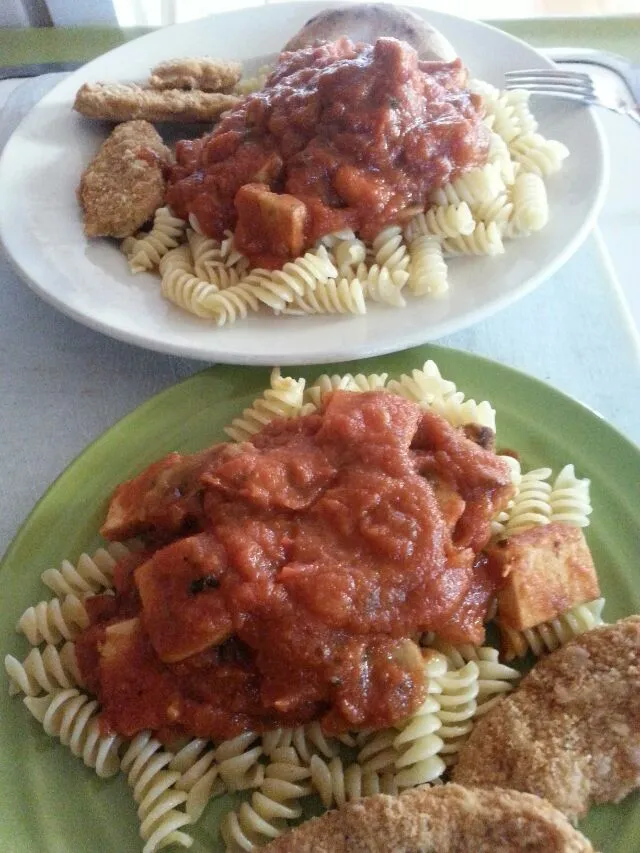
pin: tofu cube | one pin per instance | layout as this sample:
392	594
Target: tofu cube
270	223
548	570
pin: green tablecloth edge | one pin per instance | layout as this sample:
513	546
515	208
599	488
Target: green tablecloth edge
620	34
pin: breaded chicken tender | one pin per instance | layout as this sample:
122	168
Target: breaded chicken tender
571	731
127	101
123	185
199	72
438	820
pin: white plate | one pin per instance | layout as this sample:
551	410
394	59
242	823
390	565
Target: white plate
41	228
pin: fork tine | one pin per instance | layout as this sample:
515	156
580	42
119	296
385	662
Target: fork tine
559	86
573	94
548	74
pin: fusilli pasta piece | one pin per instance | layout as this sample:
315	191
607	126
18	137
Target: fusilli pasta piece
310	740
48	670
485	239
494	678
348	253
474	187
238	762
199	775
420	740
538	155
569	499
53	620
549	636
149	249
390	250
530	506
72	717
335	296
530	206
90	575
161	820
428	272
282	400
181	286
498	210
459	412
458	706
441	221
423	386
500	156
337	784
266	816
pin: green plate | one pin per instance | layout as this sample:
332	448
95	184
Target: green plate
51	803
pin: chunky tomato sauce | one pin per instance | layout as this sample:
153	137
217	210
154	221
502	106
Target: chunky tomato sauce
343	135
285	579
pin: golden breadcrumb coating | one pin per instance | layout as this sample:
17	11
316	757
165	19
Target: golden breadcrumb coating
127	101
199	72
440	819
571	731
123	185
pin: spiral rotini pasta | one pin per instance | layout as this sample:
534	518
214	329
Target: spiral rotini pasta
538	155
275	289
180	285
459	412
161	818
389	249
494	678
498	210
569	499
349	252
458	707
89	575
530	506
265	816
71	716
549	636
473	187
530	206
283	399
43	671
420	741
199	775
148	250
441	221
337	784
310	740
428	272
335	296
54	620
485	239
423	386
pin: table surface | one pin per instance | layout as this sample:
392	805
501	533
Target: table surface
62	385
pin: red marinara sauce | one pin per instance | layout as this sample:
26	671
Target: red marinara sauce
294	589
344	135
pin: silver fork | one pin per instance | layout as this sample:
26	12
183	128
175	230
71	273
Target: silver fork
575	85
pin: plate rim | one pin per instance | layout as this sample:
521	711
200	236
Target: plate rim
214	349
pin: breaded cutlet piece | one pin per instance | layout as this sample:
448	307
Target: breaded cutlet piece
198	72
128	101
571	731
123	185
438	820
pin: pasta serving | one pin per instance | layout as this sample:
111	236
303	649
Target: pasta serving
279	769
